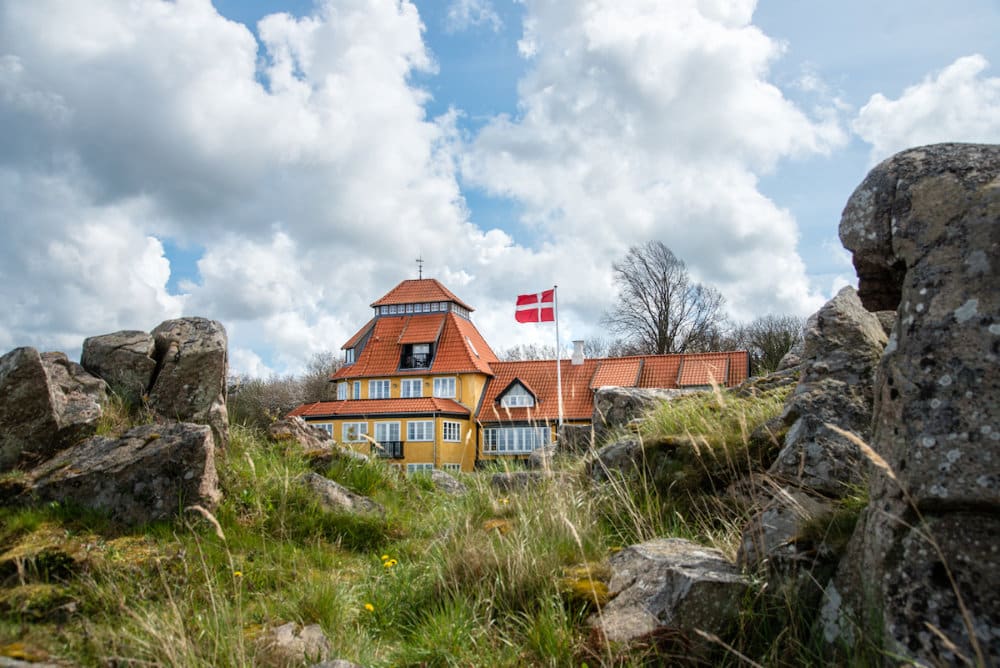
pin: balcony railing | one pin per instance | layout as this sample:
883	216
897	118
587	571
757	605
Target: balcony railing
388	449
422	361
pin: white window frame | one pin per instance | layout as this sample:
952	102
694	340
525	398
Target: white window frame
360	430
452	468
349	356
407	385
383	384
419	467
517	397
514	440
325	426
445	387
391	427
341	391
357	390
449	425
420	430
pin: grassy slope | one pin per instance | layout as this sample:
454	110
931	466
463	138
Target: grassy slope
490	578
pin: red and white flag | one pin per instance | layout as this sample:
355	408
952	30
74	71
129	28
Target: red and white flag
539	307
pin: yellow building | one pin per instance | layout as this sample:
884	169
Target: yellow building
421	388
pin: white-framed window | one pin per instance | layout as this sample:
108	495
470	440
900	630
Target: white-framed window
378	389
452	468
472	346
349	356
517	396
409	308
392	309
434	307
419	468
327	427
357	390
341	391
412	387
387	431
444	387
514	440
451	431
352	432
420	430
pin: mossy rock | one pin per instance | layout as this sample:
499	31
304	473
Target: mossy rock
586	584
21	651
44	554
37	602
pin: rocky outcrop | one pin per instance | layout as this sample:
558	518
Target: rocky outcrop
843	344
618	458
575	438
190	383
619	406
447	483
123	359
47	403
150	473
335	497
924	229
672	583
294	429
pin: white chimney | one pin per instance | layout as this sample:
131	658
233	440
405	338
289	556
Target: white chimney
577	358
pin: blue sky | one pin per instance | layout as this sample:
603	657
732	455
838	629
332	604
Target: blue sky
280	165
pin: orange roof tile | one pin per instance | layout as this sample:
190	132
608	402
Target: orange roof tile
460	348
660	371
622	372
422	329
418	291
704	369
383	407
540	376
353	341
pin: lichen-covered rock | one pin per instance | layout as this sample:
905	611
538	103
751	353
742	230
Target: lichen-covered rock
673	583
843	344
123	359
618	458
295	429
540	458
774	533
335	497
447	483
47	403
619	406
291	645
575	438
190	384
152	472
924	228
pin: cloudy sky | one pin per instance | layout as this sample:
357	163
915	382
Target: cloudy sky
280	165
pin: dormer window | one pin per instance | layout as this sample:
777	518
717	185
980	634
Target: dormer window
349	356
416	356
517	397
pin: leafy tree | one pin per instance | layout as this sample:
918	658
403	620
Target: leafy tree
767	339
660	309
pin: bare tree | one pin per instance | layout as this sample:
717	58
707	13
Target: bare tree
316	384
660	310
767	339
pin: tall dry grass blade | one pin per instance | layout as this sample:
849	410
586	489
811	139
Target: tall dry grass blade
946	641
211	519
874	457
711	637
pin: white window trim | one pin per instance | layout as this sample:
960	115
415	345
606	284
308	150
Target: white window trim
517	397
514	440
341	391
419	467
458	431
456	468
357	390
411	382
346	427
426	430
389	424
325	426
442	381
372	384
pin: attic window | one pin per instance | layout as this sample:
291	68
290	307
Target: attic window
349	356
517	396
472	346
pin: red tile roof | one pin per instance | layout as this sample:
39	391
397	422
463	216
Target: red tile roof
373	407
579	381
622	372
419	291
353	341
455	354
421	329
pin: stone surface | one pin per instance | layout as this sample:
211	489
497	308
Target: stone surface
843	344
774	533
618	406
152	472
123	359
295	429
614	459
47	403
291	645
336	663
540	458
673	583
447	483
335	497
924	229
575	438
795	355
190	385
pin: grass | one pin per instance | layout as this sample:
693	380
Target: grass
498	578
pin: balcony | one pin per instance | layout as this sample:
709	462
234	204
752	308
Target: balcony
388	449
415	361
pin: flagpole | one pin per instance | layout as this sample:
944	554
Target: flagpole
555	307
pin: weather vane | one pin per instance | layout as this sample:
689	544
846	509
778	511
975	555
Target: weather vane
420	266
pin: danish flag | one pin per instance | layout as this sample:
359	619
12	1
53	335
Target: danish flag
538	307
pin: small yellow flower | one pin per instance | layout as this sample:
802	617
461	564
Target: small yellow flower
369	607
237	574
504	501
390	563
384	557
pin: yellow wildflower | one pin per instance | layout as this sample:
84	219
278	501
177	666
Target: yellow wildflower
369	607
390	563
237	574
385	557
